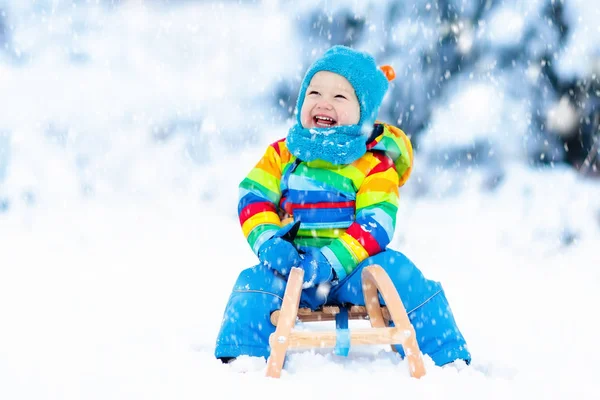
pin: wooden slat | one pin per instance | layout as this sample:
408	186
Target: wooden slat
289	308
376	280
368	336
328	313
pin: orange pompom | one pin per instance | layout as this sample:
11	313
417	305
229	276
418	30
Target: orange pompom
389	72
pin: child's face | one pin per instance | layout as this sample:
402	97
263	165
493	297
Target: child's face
330	101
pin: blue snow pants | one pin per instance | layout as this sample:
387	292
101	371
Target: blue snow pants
246	324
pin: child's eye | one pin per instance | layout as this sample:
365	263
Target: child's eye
313	92
341	96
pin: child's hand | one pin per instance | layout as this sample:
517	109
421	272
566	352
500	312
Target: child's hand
279	252
316	268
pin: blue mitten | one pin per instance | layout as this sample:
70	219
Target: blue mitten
316	268
279	252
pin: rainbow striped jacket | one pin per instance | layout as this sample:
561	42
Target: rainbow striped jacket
348	211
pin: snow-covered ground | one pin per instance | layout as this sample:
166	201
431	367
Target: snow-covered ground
122	301
118	252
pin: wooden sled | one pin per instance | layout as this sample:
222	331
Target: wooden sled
374	280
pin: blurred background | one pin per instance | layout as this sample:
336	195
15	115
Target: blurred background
112	99
126	126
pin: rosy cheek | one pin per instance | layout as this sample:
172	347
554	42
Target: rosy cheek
347	115
305	118
305	112
354	115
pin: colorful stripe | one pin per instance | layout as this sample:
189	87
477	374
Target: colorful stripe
259	193
249	186
259	219
258	237
362	234
384	217
355	171
358	251
325	205
334	181
371	198
349	211
335	263
330	233
343	254
404	162
267	179
255	208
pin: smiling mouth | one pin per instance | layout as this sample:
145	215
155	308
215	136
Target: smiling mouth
323	121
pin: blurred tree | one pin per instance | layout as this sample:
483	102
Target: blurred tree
432	43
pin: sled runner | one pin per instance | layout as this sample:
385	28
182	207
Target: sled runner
374	280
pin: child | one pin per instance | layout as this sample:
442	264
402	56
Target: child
335	178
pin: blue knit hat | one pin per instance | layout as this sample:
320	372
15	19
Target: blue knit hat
368	80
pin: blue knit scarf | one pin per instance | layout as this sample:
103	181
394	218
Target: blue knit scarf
338	145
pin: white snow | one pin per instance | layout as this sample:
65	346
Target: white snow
506	26
582	54
119	294
562	117
477	112
124	300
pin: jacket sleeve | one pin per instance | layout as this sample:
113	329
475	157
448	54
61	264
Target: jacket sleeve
259	196
373	228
